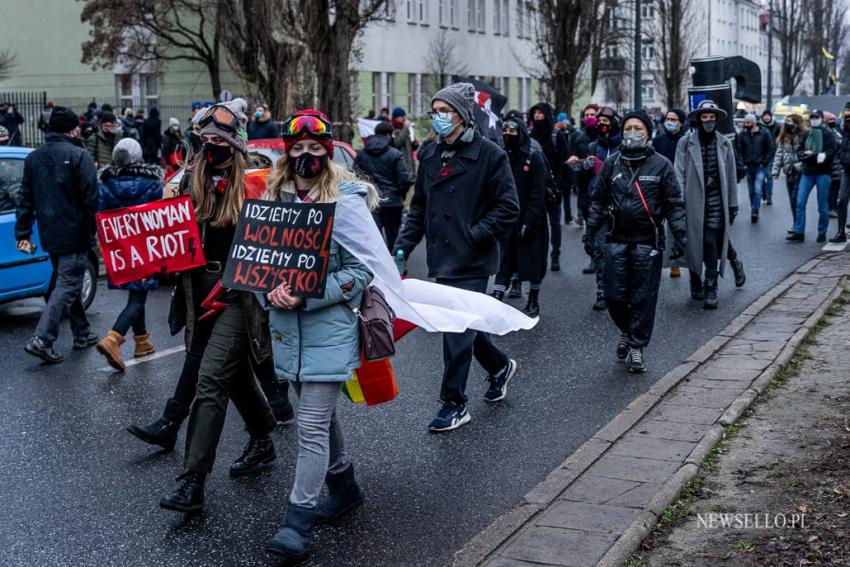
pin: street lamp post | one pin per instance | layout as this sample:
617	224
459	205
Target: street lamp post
638	82
770	57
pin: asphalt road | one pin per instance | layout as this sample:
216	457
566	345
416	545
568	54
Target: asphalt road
76	489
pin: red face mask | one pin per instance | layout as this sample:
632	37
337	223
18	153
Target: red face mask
604	128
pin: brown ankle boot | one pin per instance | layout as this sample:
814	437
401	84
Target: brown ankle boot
144	346
110	347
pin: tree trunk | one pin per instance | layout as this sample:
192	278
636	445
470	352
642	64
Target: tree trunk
215	78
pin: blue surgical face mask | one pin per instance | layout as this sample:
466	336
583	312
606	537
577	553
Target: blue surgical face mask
442	124
671	127
258	114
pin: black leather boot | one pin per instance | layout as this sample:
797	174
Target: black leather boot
189	495
738	270
532	308
259	454
697	293
515	290
294	537
710	293
601	304
163	431
343	496
500	295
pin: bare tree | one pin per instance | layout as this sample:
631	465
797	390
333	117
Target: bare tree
333	27
441	61
790	25
268	58
150	32
563	39
607	35
8	63
673	29
828	32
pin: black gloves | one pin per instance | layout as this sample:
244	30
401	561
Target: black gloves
589	241
678	248
733	212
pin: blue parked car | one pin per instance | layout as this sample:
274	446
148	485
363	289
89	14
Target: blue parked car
22	275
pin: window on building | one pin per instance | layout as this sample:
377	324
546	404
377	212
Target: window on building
389	100
506	17
417	12
482	15
647	9
520	19
149	89
376	91
648	49
413	94
124	89
391	10
423	12
647	90
454	13
443	13
497	17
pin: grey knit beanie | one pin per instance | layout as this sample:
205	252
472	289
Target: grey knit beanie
461	97
126	152
239	138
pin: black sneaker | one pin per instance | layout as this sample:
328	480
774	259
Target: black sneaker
555	266
738	270
796	237
769	202
499	383
85	341
516	290
590	268
500	295
754	218
601	304
451	417
258	455
821	238
838	238
189	496
634	361
36	347
622	348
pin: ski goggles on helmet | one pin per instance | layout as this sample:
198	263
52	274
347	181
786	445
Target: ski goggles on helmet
222	117
307	126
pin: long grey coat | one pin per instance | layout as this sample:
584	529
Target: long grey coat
689	174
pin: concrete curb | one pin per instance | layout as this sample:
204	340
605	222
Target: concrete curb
504	528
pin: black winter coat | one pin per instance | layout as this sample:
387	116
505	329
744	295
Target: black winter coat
461	208
384	165
755	149
665	143
152	136
59	190
843	155
810	163
555	144
262	129
615	199
530	238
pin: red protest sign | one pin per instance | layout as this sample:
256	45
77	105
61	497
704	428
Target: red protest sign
158	237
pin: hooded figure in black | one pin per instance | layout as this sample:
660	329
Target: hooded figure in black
636	191
525	247
556	149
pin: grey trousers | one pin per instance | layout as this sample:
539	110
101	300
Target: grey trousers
66	297
321	445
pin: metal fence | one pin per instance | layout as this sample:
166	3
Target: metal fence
31	104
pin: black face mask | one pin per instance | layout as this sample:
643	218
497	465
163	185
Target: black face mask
789	127
217	155
511	142
195	142
307	165
540	124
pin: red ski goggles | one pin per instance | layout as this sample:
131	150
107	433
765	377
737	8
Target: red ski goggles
307	125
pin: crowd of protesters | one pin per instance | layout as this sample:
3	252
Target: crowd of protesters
649	195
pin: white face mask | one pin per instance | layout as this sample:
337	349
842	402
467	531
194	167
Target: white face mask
816	122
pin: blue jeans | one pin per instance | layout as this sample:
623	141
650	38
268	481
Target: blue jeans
133	315
768	181
755	181
807	182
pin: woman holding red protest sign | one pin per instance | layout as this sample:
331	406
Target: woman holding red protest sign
317	341
127	182
226	331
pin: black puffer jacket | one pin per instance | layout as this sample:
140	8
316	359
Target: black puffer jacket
616	199
384	165
713	216
59	189
756	149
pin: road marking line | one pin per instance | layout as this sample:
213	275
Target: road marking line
837	247
154	356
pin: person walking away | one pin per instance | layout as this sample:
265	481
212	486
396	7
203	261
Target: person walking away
320	348
787	159
152	137
402	140
526	245
384	166
44	118
837	170
261	125
556	150
755	147
128	125
59	190
128	182
102	141
464	200
238	338
11	119
637	188
581	140
772	127
844	194
665	144
606	145
173	150
817	151
705	172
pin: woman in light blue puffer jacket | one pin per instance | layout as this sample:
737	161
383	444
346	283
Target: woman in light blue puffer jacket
316	342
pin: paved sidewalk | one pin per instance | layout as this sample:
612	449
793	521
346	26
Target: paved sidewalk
603	500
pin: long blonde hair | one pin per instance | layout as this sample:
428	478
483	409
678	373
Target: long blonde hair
203	191
282	180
